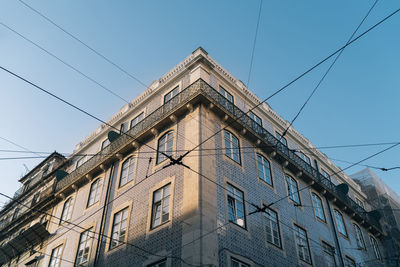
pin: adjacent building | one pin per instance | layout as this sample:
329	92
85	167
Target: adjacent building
194	172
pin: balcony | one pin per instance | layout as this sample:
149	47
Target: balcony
200	91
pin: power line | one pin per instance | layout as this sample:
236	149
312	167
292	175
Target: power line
254	44
81	110
84	44
64	62
24	148
328	70
94	232
299	77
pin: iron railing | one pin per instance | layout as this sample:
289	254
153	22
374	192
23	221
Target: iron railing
201	87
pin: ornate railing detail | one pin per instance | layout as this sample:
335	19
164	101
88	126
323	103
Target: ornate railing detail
201	87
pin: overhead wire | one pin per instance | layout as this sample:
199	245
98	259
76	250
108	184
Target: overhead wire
94	232
254	43
328	70
84	44
64	62
301	75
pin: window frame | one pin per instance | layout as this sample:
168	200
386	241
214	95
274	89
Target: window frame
222	91
173	92
59	248
297	238
328	249
289	189
232	147
231	196
359	236
141	114
113	225
15	214
255	118
69	200
157	263
279	137
106	142
159	156
304	157
279	237
375	248
241	263
341	224
98	191
80	162
320	208
131	160
351	260
269	169
89	238
160	203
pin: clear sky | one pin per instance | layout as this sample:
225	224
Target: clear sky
357	103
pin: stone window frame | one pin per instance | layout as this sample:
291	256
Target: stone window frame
99	192
126	205
270	169
342	222
134	171
313	193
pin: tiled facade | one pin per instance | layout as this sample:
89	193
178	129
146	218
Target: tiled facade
199	220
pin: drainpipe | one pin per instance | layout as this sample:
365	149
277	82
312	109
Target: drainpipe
200	187
103	217
335	233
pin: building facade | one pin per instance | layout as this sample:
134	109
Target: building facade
194	172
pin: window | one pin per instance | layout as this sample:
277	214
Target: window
123	128
171	94
162	263
303	249
236	212
232	146
238	263
67	210
349	262
55	257
94	194
328	254
282	139
225	94
255	118
359	236
292	189
325	174
35	199
375	247
127	169
85	242
264	169
105	143
305	158
360	203
15	215
340	222
161	204
80	161
165	144
272	227
119	228
318	207
137	119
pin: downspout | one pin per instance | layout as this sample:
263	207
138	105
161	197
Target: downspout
335	233
102	222
200	187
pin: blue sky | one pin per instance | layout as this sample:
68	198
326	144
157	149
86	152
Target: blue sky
357	103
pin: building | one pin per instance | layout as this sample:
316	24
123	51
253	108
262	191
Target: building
384	199
243	196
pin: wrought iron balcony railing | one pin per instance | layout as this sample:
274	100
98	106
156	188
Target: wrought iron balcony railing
200	87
